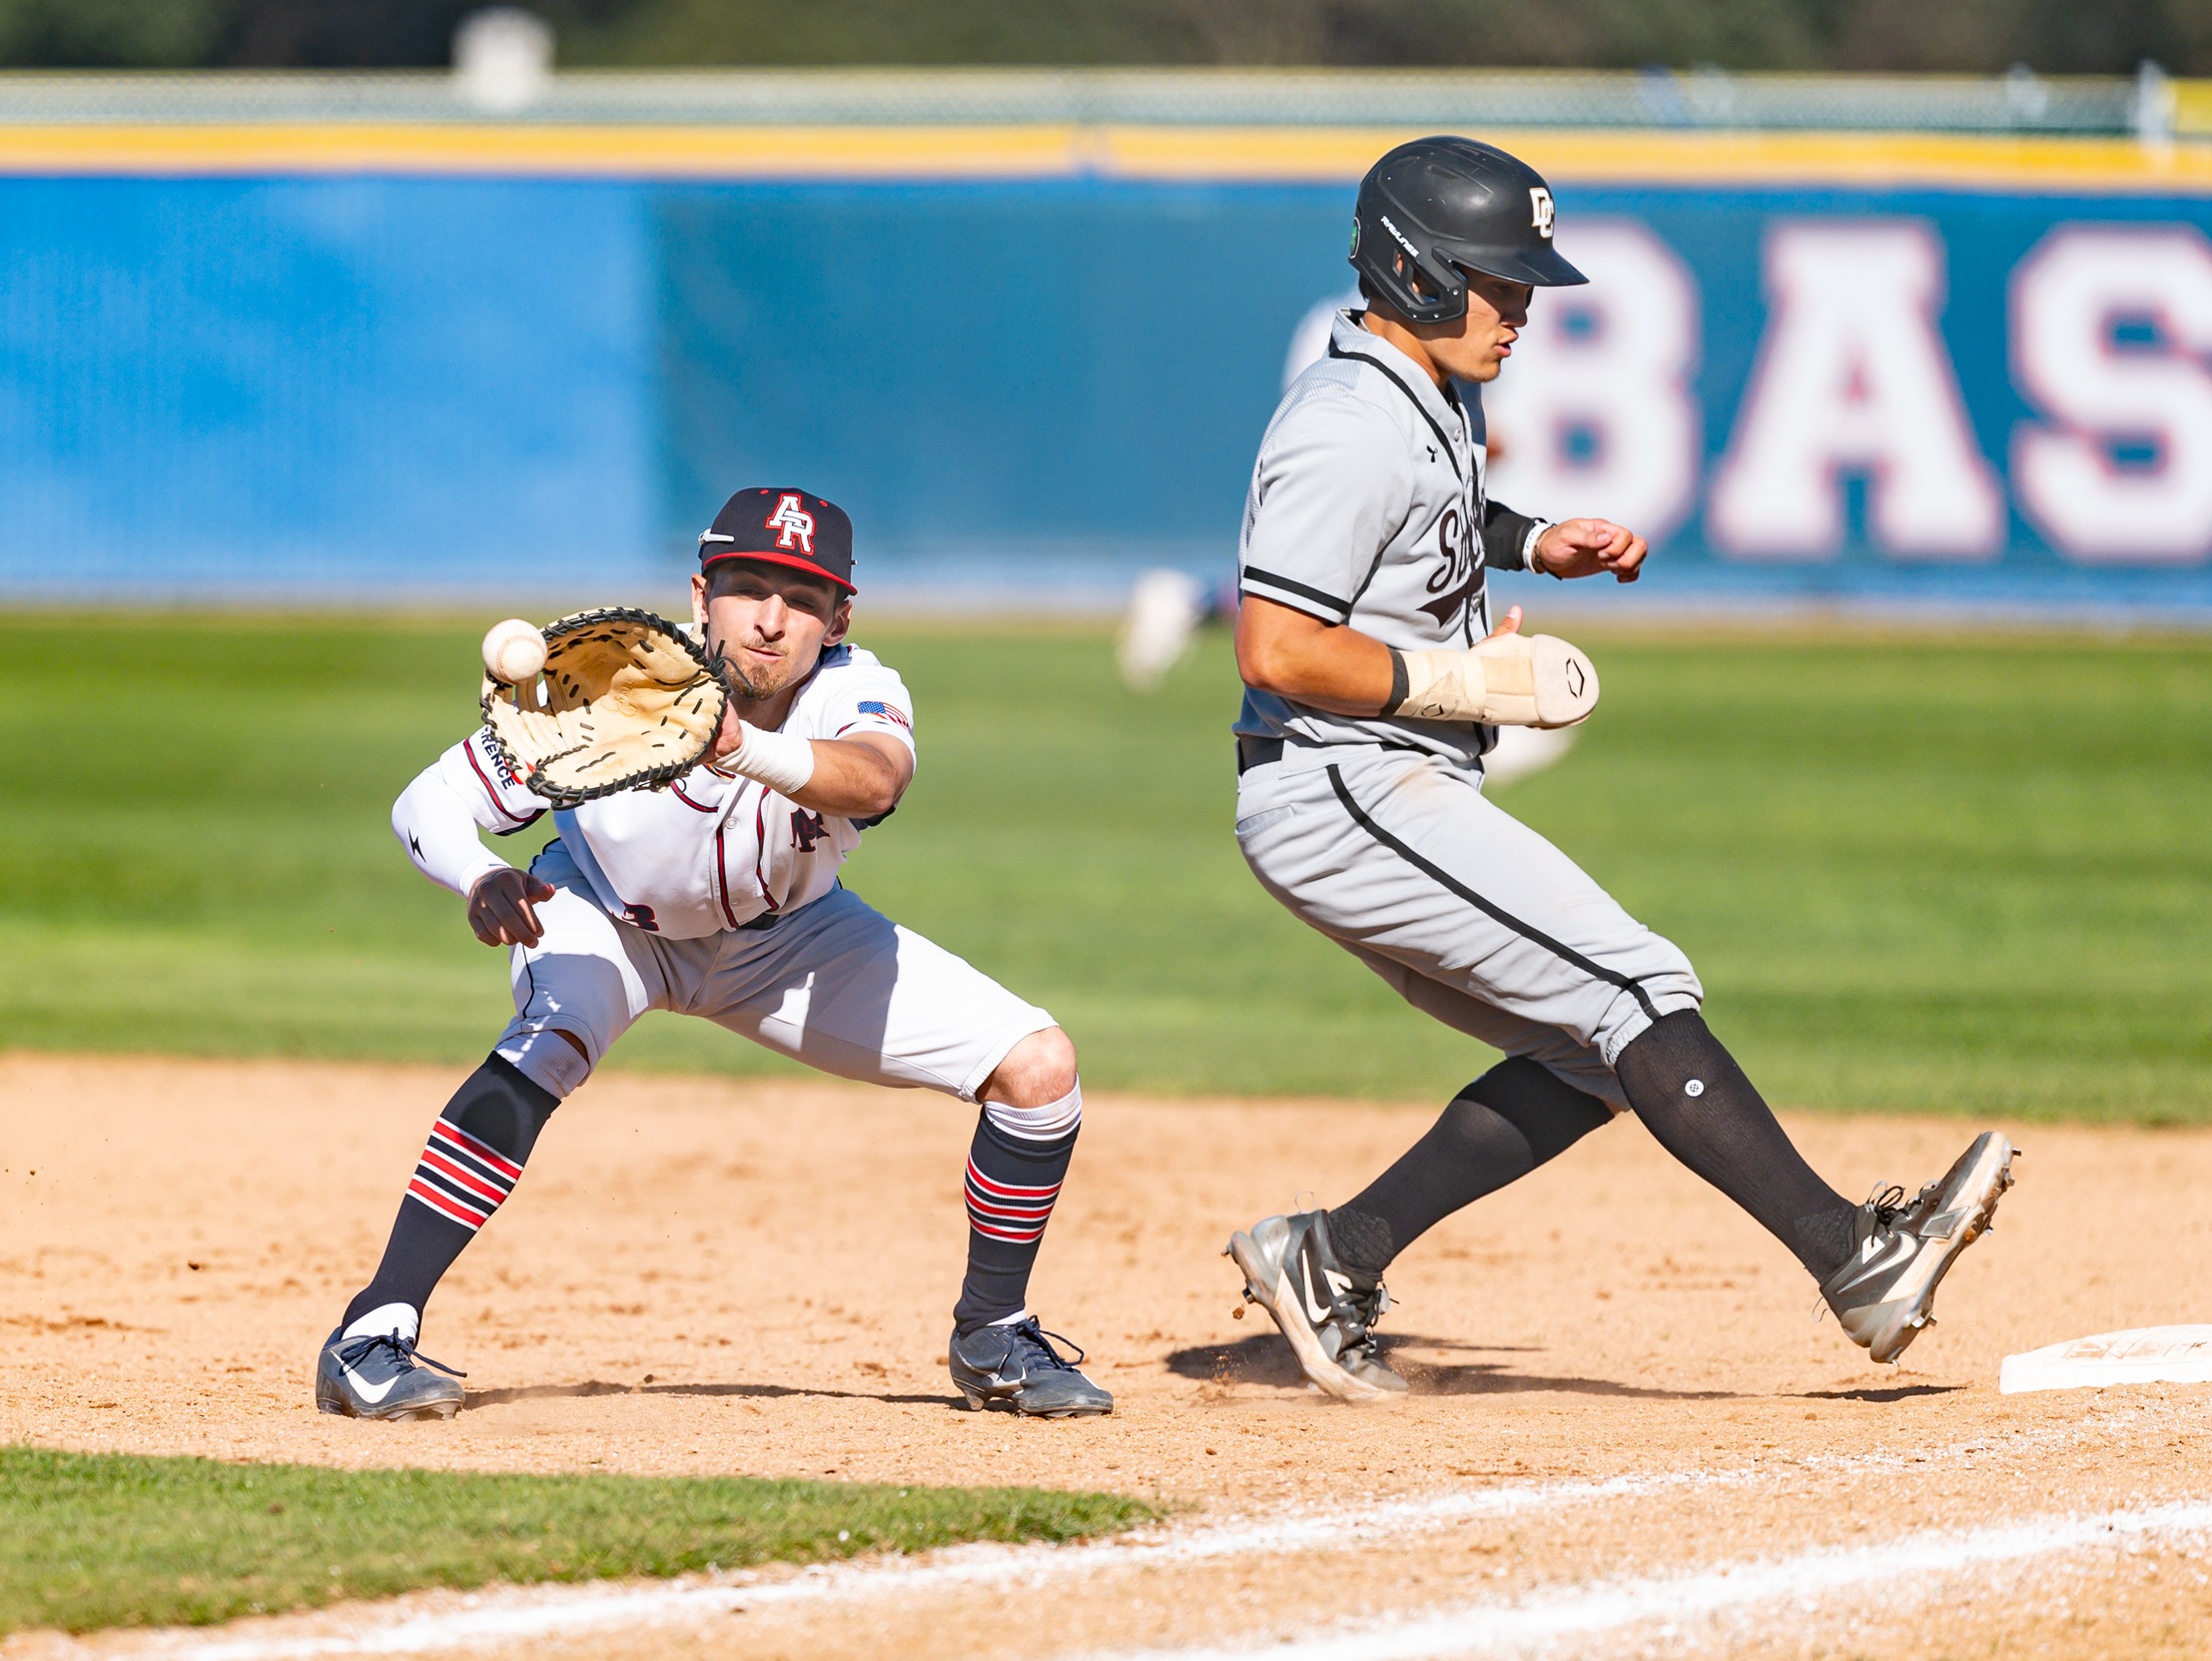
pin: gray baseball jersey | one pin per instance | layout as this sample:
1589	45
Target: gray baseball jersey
1368	506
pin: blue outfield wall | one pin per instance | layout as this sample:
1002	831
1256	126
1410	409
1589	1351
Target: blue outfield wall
423	386
323	385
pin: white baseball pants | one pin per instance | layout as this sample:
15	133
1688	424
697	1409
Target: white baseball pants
835	984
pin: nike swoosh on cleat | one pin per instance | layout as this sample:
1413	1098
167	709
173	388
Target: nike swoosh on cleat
1316	1310
368	1393
1901	1246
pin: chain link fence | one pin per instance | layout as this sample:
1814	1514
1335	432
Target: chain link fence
2148	104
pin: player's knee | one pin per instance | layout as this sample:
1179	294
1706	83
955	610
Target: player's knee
502	1106
1678	1056
1543	1110
1038	1071
553	1059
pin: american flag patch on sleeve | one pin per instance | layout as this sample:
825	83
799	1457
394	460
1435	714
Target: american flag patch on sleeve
875	706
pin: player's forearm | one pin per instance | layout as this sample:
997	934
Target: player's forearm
852	780
1296	656
439	834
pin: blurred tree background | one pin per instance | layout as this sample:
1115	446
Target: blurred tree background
1986	36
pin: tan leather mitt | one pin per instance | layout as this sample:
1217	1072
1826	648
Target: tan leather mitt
626	700
1510	680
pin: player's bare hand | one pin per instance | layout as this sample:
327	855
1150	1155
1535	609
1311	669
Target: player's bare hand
502	907
1589	547
1510	623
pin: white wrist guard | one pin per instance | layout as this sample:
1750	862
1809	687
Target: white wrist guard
1514	680
1537	528
781	760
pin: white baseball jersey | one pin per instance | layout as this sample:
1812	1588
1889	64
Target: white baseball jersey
709	853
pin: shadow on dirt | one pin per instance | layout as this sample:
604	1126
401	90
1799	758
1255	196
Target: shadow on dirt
1892	1393
1265	1358
602	1386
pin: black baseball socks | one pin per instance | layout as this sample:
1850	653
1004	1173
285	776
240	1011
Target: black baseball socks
1016	1164
471	1163
1496	1130
1698	1105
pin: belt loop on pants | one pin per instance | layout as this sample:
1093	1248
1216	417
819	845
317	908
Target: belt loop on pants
1255	752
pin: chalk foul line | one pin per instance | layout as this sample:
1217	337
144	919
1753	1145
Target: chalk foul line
1909	1568
512	1615
517	1614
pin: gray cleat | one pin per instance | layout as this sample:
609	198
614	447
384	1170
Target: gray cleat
1883	1293
382	1377
1327	1312
1016	1365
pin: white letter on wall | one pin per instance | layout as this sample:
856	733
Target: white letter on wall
1595	411
2068	296
1853	376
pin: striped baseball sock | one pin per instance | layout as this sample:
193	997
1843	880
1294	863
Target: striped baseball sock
461	1177
1014	1167
469	1164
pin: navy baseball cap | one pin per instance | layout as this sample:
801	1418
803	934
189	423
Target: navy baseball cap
778	527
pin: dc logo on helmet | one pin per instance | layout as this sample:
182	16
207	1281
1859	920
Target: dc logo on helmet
791	523
1542	212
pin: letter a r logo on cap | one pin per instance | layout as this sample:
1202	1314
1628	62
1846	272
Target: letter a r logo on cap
793	525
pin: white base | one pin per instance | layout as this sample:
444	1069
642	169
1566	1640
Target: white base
2139	1355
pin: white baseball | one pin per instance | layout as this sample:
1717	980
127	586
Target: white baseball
514	651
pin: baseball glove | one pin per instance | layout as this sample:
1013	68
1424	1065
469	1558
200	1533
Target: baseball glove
628	699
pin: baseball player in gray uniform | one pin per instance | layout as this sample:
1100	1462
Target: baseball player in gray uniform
1375	682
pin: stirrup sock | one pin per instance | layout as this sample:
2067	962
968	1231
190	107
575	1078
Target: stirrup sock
468	1166
1011	1184
1496	1130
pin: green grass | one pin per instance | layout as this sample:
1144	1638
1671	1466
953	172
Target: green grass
95	1540
1913	873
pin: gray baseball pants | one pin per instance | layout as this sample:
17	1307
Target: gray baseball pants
1469	915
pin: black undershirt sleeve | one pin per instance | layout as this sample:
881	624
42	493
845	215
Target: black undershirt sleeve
1504	535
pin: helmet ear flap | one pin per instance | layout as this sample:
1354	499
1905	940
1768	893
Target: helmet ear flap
1422	287
1417	280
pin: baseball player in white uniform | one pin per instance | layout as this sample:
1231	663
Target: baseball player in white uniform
1374	686
718	896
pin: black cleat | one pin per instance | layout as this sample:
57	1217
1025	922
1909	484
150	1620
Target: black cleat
1326	1311
1016	1365
380	1375
1886	1290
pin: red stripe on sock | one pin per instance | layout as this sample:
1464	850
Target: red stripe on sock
453	1173
1014	1236
447	1204
469	1145
1010	1214
1007	1190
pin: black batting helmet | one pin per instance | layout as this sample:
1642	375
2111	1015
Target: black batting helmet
1435	209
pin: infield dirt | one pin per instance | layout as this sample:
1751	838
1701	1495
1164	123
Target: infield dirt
699	1275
